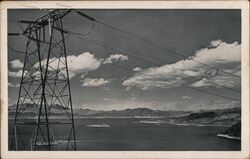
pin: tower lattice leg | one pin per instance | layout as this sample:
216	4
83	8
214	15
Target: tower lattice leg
44	110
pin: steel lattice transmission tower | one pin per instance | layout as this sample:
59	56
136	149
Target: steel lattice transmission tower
44	111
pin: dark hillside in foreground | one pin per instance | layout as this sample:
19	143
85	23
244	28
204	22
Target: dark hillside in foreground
221	117
235	130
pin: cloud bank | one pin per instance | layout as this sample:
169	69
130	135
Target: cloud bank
225	56
81	63
115	58
96	82
137	69
16	64
186	97
77	64
15	74
13	85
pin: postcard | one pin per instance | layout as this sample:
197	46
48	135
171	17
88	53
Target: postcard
116	79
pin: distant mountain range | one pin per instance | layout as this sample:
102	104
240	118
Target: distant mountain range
56	110
30	110
137	112
229	118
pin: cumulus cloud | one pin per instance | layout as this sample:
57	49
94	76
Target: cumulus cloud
219	54
115	58
77	64
95	82
83	63
148	81
186	97
80	64
137	69
84	75
215	43
16	64
220	80
16	74
13	85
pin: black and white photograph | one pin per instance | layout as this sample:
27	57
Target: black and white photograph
124	79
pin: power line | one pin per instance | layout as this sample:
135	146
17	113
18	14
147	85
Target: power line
16	51
166	49
130	70
200	90
193	88
92	19
149	61
150	42
89	31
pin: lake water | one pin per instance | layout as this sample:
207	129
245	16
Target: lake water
126	134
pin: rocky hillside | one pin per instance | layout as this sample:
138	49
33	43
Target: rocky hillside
221	117
233	132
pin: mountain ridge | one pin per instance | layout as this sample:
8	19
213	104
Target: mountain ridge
139	112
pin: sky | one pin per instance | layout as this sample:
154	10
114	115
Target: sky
136	73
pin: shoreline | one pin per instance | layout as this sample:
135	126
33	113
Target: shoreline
199	125
138	117
229	137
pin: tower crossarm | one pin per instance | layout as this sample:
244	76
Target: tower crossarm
43	20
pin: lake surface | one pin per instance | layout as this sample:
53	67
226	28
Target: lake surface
128	134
